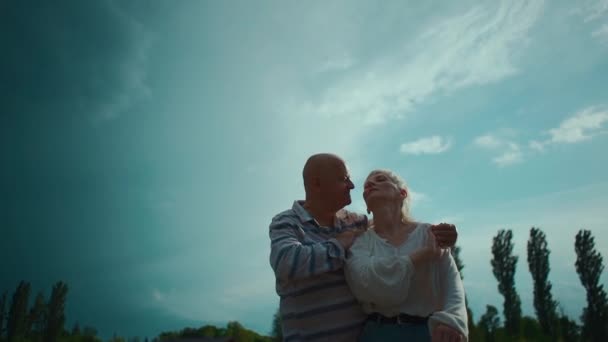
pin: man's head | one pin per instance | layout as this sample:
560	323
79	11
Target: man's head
327	181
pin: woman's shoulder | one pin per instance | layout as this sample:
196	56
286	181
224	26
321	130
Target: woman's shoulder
368	235
422	226
367	238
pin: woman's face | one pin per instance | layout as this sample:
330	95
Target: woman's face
379	186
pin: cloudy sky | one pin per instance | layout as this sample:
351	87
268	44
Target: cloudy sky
145	145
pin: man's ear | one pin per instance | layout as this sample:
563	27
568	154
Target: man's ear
404	193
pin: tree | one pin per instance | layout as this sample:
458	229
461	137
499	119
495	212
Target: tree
277	330
89	334
56	312
17	317
116	338
569	330
2	312
489	323
76	329
37	318
503	267
532	331
538	263
589	266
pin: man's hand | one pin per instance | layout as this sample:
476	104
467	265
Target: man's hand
443	333
347	238
352	218
445	234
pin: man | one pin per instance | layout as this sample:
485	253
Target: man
309	243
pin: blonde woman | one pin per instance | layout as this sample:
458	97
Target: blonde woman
407	283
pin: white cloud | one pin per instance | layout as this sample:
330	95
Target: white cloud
488	141
510	152
430	145
594	10
537	146
451	51
601	33
418	196
582	126
512	156
157	295
474	48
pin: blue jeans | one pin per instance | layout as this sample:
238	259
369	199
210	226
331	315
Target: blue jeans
382	332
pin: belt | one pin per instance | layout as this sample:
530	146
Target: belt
401	318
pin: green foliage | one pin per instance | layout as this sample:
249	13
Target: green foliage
56	312
489	323
37	318
503	267
233	329
2	313
16	326
117	339
538	263
277	329
568	329
531	330
589	266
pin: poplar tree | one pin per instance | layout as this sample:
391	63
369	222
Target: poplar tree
589	266
538	263
56	312
16	324
503	266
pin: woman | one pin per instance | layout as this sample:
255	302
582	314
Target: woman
410	288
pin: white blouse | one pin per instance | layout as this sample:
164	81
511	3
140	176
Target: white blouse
384	279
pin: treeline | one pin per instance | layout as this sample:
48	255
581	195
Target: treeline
234	330
550	323
44	321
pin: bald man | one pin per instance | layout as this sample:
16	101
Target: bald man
308	249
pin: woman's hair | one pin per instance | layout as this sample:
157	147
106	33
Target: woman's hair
399	182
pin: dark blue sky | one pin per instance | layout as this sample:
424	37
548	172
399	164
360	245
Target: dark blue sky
76	179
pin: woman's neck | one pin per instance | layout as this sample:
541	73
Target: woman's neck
387	219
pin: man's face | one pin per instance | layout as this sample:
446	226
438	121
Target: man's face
335	186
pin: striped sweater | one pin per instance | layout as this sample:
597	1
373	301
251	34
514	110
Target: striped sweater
316	303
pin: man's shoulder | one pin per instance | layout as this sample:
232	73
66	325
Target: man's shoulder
288	216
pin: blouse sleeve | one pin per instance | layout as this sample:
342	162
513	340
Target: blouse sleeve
381	280
453	311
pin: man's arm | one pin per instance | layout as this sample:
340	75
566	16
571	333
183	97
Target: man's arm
291	259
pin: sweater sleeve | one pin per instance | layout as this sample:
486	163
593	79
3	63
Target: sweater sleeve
453	311
375	279
291	259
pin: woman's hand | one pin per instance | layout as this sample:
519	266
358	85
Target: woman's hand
444	333
430	252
